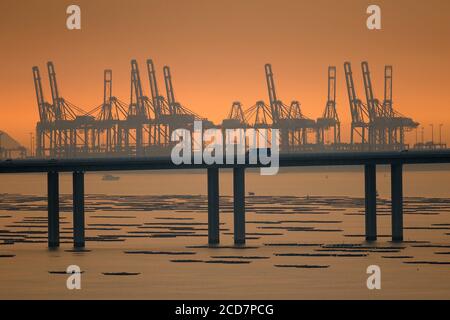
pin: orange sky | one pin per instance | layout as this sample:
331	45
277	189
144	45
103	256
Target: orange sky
217	50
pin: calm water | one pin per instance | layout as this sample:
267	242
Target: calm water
305	238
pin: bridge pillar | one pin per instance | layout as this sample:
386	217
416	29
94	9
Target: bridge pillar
53	209
78	209
239	205
397	201
371	201
213	206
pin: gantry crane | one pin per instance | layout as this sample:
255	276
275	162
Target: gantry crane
275	104
160	134
291	122
300	125
278	111
181	116
157	100
56	130
330	118
117	128
386	125
140	114
359	113
68	118
46	114
137	108
399	124
259	115
378	121
108	118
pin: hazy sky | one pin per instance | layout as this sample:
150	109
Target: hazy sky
217	50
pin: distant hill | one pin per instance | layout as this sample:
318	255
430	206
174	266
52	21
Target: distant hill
7	142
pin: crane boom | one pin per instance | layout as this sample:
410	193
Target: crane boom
270	84
136	90
55	93
40	95
154	88
152	80
357	110
371	103
332	84
387	103
169	90
274	103
107	89
330	108
353	100
106	112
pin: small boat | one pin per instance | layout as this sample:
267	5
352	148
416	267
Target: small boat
109	177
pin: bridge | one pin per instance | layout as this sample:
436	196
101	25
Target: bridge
396	160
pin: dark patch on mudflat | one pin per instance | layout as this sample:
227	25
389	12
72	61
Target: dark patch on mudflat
228	261
431	246
360	250
114	217
174	253
240	257
411	241
121	273
320	255
363	236
302	266
104	240
63	272
257	234
428	262
114	224
220	247
172	218
162	236
293	244
360	246
427	228
102	229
